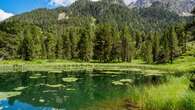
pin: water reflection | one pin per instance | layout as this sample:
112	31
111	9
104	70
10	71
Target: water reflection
46	91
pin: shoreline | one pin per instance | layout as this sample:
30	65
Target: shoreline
186	65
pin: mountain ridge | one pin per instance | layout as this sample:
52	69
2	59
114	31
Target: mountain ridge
181	7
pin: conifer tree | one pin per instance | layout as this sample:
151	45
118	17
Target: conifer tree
103	43
156	46
173	44
50	43
66	46
85	45
27	46
59	48
116	46
127	51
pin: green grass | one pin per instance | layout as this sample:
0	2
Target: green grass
181	64
173	95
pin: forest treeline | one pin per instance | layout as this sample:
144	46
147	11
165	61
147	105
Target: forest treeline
103	42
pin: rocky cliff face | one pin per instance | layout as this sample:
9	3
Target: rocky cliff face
182	7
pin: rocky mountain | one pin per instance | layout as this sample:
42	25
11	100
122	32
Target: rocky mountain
182	7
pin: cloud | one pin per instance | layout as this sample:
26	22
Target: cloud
4	15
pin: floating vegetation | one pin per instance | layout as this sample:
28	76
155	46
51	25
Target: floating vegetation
37	76
55	86
55	71
19	88
122	82
70	79
41	100
8	94
50	85
49	91
34	77
126	80
112	72
153	72
117	83
70	89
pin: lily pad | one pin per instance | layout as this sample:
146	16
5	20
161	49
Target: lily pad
126	80
34	77
117	83
55	86
41	100
70	89
19	88
8	94
69	79
122	82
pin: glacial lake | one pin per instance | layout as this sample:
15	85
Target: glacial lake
64	91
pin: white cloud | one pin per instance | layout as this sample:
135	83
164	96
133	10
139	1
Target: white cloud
4	15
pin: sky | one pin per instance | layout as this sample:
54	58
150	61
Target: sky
10	8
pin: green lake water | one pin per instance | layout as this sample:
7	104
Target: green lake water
64	91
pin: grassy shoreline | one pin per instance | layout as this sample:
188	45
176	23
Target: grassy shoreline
182	64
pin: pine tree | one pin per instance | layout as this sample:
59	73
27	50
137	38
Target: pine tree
66	46
36	36
173	44
74	41
59	48
147	52
27	46
127	51
116	46
50	44
103	43
85	45
156	47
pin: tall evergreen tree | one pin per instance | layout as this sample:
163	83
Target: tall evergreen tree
147	51
173	44
116	46
103	43
156	47
59	48
26	48
127	51
66	46
85	45
50	44
74	41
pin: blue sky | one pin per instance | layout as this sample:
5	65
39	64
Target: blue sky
20	6
9	8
